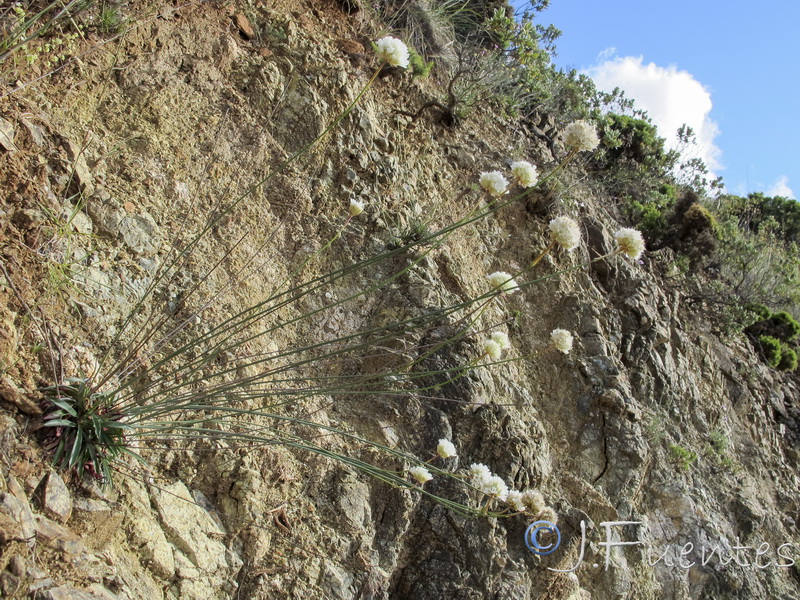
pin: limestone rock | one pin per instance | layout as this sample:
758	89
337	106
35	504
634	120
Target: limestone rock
54	497
79	169
58	536
68	592
99	520
10	393
14	504
139	232
7	136
189	527
201	559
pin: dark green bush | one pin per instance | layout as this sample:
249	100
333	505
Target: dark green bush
697	219
780	325
771	348
632	139
786	326
788	359
689	228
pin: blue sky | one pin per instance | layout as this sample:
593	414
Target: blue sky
729	68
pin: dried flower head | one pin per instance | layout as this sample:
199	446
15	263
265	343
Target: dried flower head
525	173
502	340
549	515
631	242
533	501
581	135
421	474
494	183
565	232
356	207
446	449
393	51
562	340
503	281
514	500
492	349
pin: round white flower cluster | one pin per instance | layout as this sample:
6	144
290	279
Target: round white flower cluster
479	471
530	501
565	232
492	349
420	474
356	207
494	486
446	449
503	281
631	242
494	346
502	340
514	500
494	183
562	340
581	135
487	482
525	173
393	51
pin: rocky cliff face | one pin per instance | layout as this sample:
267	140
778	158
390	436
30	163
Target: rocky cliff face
652	421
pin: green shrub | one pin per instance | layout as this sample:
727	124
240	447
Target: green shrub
758	264
650	214
788	328
685	458
771	348
761	311
697	219
419	66
780	325
788	359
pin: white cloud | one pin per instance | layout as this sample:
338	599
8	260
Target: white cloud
671	98
781	188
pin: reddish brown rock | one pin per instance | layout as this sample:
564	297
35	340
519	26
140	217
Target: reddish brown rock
350	47
244	26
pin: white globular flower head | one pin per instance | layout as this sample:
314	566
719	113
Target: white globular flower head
479	471
446	449
631	242
525	173
494	486
581	135
515	501
356	207
420	474
502	340
565	232
393	51
494	183
562	340
503	281
492	349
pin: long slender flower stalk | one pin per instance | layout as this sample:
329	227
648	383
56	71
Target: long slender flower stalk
171	384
